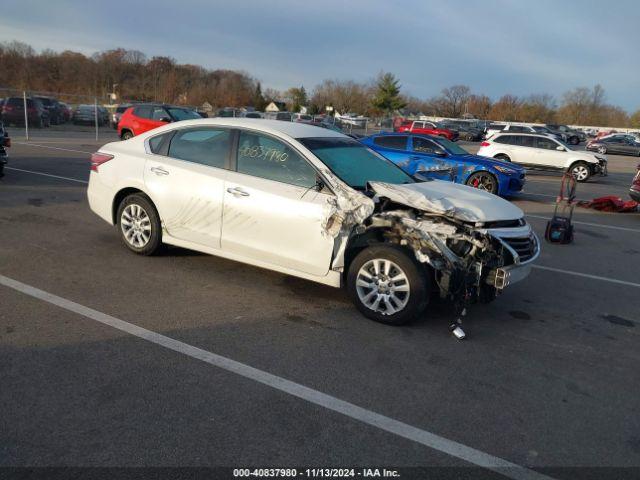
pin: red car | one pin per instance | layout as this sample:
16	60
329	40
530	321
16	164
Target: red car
142	118
427	128
634	191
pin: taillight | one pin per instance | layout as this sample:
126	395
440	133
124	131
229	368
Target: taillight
485	144
98	159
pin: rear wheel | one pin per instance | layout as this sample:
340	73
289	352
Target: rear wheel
602	149
388	285
139	224
581	171
574	140
126	135
483	181
503	157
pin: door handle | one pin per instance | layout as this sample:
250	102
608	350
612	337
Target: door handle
238	192
159	171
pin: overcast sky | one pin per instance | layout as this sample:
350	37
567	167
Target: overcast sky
495	47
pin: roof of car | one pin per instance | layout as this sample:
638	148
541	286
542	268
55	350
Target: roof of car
292	129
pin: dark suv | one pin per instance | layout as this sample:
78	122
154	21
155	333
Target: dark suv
569	135
13	112
56	113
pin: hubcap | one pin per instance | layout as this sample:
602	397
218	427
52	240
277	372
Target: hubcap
580	172
382	286
135	225
602	150
483	182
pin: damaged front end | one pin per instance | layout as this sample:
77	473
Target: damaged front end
472	257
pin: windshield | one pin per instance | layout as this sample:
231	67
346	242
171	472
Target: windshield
450	146
182	114
354	163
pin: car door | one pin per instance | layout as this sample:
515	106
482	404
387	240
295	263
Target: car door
427	155
186	182
547	154
273	213
392	147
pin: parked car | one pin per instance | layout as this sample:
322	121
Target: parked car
86	115
13	112
427	128
144	117
117	114
282	116
252	115
53	107
466	131
5	142
634	191
422	155
543	152
546	131
298	200
620	144
569	135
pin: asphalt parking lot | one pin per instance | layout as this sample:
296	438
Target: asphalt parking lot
547	379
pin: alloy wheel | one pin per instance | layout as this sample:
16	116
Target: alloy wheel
581	172
382	286
135	225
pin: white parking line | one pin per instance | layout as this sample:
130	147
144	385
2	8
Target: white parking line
316	397
587	275
47	175
50	147
599	225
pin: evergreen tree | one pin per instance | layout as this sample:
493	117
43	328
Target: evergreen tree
387	96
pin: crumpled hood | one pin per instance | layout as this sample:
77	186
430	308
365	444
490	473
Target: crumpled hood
458	201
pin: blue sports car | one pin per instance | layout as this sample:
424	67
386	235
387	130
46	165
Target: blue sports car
427	156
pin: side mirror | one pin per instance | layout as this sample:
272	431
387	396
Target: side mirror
165	119
560	148
440	153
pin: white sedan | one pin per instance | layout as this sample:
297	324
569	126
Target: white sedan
311	203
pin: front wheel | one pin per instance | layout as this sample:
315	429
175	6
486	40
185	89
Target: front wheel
388	285
602	149
483	181
139	225
581	171
574	141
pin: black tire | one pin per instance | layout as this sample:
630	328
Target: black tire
503	157
574	141
154	243
126	135
581	171
419	283
483	181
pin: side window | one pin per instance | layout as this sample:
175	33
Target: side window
526	141
155	143
266	157
516	129
158	113
397	142
423	145
546	143
505	139
206	146
142	112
